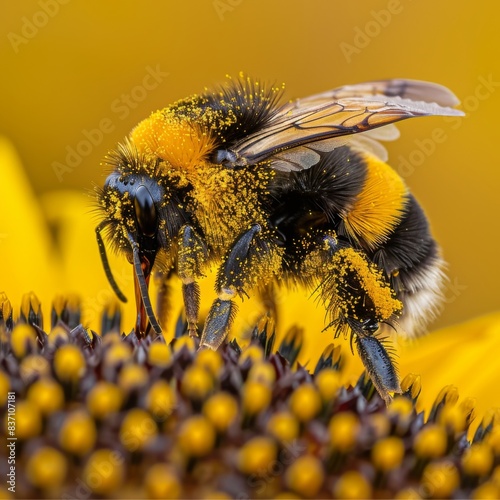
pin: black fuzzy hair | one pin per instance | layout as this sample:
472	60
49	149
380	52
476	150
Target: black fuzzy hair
248	105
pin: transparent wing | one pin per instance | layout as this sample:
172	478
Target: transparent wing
415	90
325	121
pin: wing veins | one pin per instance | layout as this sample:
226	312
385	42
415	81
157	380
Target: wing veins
341	112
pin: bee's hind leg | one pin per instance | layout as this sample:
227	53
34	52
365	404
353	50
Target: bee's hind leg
358	298
251	260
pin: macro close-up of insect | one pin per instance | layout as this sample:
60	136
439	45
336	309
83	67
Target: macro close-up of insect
280	193
248	266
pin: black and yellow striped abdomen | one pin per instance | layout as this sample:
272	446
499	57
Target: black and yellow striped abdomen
366	206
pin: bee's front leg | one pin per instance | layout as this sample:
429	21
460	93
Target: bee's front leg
192	255
249	261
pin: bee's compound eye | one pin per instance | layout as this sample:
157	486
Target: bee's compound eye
370	325
145	211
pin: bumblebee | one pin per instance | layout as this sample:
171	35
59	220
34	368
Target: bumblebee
295	192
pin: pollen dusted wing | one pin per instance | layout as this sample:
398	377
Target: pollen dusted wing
324	122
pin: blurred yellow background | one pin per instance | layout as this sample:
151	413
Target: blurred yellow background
77	76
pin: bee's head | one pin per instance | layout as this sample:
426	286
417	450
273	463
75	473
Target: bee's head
141	218
133	204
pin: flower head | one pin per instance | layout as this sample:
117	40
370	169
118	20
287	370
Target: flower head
113	414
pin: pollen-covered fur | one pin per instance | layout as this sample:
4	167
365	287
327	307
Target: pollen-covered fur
271	191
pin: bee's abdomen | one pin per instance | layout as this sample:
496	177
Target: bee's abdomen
377	209
367	205
312	201
409	245
411	259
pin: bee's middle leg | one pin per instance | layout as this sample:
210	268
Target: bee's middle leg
247	263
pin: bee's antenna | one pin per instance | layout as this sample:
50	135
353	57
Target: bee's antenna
143	286
105	263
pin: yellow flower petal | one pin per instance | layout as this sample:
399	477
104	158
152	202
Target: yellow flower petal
464	355
26	250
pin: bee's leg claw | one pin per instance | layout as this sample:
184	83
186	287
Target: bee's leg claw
192	331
